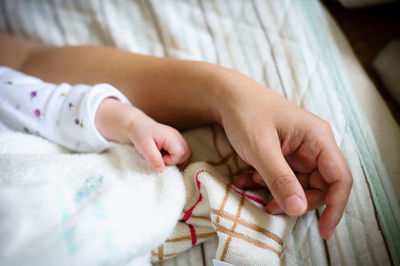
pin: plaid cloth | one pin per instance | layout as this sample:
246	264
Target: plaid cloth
246	234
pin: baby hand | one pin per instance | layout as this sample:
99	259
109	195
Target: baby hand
160	144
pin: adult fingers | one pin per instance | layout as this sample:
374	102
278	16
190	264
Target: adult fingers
245	181
333	169
304	180
258	179
279	177
254	180
314	188
251	180
317	182
315	199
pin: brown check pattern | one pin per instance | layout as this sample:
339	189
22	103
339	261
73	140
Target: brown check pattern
246	234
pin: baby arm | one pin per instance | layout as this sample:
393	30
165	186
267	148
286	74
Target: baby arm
61	113
160	144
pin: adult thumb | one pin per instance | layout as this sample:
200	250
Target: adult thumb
280	179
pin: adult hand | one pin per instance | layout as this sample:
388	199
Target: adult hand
267	131
293	151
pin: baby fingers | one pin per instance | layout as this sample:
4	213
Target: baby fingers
149	150
177	149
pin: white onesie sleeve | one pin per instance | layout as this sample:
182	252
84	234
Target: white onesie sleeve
61	113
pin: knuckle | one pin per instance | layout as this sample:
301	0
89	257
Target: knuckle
324	133
180	151
325	127
172	131
349	180
262	144
178	154
345	174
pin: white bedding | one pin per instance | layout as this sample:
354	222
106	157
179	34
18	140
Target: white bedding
286	45
63	208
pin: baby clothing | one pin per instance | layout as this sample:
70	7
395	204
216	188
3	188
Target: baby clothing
63	114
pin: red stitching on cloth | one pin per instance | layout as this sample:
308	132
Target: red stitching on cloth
193	234
190	211
250	197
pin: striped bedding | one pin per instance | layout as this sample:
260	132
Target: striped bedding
285	45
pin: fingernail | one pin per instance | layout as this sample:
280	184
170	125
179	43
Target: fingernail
294	205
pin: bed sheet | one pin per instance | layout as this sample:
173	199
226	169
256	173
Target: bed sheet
285	45
382	123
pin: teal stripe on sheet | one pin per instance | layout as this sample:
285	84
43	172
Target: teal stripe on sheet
382	192
356	196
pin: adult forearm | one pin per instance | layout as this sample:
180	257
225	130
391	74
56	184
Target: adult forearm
266	130
177	92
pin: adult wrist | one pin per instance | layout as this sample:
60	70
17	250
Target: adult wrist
233	93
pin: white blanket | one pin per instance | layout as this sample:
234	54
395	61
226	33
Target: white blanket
58	208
